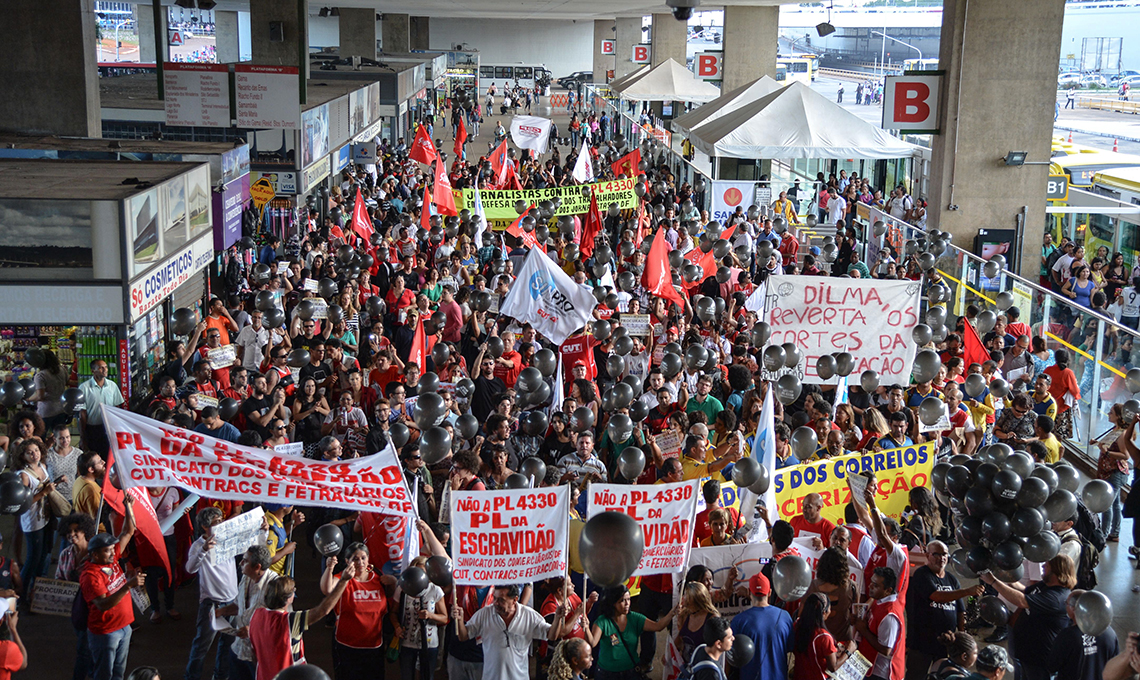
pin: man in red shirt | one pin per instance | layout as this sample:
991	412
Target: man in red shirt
882	634
812	522
510	363
106	590
713	500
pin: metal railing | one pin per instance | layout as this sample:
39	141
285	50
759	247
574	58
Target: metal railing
1101	349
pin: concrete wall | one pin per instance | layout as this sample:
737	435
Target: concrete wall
357	32
563	46
1001	110
420	29
144	19
669	37
750	37
53	87
396	30
287	52
228	33
604	29
629	33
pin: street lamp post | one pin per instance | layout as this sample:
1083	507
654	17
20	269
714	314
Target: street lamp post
901	42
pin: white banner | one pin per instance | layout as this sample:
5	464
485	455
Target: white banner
548	299
510	535
727	196
748	558
531	132
872	319
667	515
151	453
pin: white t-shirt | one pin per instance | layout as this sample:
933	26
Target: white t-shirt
898	206
1131	298
1062	266
836	209
506	649
254	343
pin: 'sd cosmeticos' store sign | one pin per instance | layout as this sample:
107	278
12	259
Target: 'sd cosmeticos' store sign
157	283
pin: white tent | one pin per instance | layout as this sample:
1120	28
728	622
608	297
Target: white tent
726	103
669	81
795	122
631	77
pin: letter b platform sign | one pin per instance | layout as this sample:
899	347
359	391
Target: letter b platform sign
910	103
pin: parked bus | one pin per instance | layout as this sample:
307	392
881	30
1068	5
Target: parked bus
1082	167
512	74
920	65
795	69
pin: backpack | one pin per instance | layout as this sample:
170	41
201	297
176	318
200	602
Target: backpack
1052	259
690	669
1086	563
1088	525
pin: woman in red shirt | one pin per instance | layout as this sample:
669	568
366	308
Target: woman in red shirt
358	643
275	632
1065	391
815	649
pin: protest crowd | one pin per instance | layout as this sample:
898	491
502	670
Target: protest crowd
489	438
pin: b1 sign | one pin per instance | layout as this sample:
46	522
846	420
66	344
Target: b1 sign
708	65
640	54
910	103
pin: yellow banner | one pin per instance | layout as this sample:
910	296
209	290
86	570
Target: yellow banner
500	204
896	472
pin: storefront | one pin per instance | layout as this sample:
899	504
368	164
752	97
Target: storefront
97	255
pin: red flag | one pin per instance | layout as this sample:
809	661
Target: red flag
151	545
461	138
657	278
628	164
443	199
419	351
423	150
498	159
973	352
528	238
511	178
590	228
425	213
336	232
706	261
361	223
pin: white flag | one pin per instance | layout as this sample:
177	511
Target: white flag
547	298
559	387
755	301
764	450
531	132
478	211
584	168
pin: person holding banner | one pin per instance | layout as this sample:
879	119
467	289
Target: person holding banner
106	592
358	640
217	587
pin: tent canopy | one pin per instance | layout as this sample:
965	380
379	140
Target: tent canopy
795	122
617	83
669	81
726	103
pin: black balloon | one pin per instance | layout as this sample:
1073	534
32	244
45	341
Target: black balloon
1008	555
1033	493
979	501
400	434
414	581
993	610
1006	485
985	473
996	528
438	570
228	408
970	530
303	671
958	481
741	652
1026	522
979	558
610	547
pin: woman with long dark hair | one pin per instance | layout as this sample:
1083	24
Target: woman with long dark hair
617	632
50	381
815	649
1065	391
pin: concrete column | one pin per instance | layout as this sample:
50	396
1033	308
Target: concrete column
53	88
358	32
750	35
294	49
419	28
397	33
228	37
144	19
604	29
628	34
970	187
669	38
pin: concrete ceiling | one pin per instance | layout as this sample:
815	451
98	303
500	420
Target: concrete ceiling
510	9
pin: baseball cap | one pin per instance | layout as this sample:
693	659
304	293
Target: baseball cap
673	329
100	541
272	507
579	363
814	250
759	585
992	658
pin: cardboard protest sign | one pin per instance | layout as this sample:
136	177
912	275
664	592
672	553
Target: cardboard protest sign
666	513
871	318
509	535
235	535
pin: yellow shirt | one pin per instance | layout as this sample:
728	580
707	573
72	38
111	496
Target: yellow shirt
86	496
275	542
1053	446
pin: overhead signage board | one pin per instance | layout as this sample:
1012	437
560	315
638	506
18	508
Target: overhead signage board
196	95
267	96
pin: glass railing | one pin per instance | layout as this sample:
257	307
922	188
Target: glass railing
1101	350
